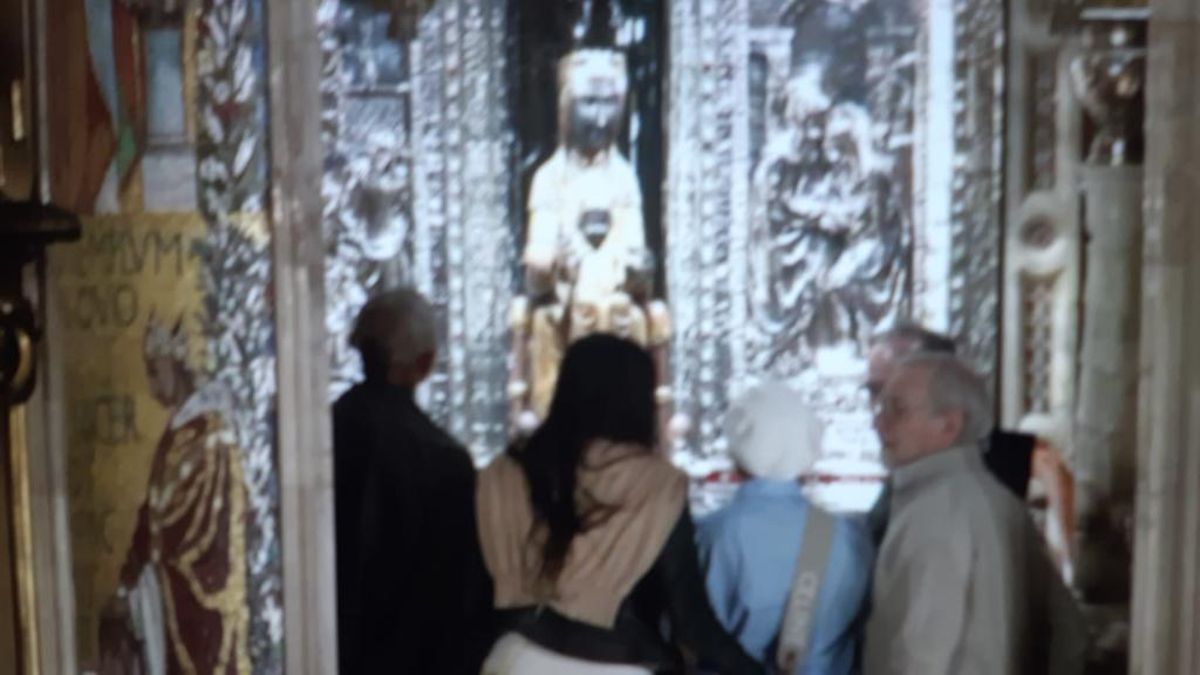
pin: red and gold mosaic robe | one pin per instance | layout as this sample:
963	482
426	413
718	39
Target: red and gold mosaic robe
191	532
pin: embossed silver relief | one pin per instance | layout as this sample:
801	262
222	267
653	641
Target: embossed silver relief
366	186
829	239
706	235
463	253
975	227
789	207
235	278
789	186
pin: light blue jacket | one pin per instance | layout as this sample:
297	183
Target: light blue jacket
749	551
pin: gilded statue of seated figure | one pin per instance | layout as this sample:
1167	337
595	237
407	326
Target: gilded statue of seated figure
587	266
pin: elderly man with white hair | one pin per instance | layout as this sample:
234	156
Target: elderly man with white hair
787	579
413	595
963	584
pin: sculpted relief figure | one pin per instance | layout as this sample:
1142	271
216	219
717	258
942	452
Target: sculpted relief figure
829	240
868	280
587	266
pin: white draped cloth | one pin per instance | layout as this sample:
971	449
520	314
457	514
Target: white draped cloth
515	655
146	610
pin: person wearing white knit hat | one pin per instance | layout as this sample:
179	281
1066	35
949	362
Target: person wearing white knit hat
751	549
773	433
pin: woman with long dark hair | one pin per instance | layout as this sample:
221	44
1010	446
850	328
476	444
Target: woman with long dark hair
586	534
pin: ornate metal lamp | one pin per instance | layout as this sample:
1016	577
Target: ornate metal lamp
26	228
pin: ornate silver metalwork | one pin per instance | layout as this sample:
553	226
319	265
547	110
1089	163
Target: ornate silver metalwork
367	185
764	187
463	249
731	65
707	215
977	184
235	278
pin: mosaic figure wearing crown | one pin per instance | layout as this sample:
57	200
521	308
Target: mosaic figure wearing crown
180	605
587	266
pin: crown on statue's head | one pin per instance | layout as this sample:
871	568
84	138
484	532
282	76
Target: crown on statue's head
593	69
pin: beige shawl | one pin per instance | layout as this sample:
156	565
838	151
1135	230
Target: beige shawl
645	496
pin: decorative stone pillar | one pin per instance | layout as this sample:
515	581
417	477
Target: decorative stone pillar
1105	413
1166	598
1108	76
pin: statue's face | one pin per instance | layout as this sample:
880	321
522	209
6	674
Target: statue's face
807	111
808	126
592	89
592	125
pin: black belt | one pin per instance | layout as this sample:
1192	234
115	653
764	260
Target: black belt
560	634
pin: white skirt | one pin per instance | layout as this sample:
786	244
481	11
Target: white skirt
515	655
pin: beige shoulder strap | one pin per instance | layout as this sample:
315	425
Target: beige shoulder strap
802	601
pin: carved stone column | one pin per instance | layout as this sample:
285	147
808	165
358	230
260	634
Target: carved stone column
1105	413
1166	599
1108	75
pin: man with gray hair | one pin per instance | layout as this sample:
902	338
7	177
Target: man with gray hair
1009	455
1014	458
963	583
412	590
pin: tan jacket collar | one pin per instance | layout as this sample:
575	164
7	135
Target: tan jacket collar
909	480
